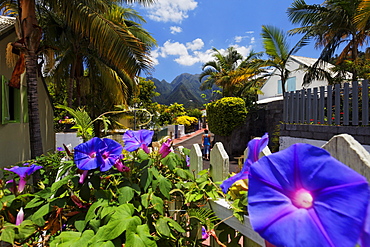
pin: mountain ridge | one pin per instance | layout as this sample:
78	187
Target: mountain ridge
184	89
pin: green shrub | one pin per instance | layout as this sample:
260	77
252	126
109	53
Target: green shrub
225	114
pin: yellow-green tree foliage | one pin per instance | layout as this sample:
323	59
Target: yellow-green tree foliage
225	114
186	120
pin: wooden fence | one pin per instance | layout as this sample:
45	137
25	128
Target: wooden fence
332	105
342	147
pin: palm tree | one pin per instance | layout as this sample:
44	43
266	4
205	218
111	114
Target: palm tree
118	47
331	24
217	71
277	49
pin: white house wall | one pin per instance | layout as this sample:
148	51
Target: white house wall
270	88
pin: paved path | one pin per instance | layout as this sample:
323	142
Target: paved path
188	140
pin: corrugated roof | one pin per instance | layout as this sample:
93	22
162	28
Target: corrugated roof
6	23
309	61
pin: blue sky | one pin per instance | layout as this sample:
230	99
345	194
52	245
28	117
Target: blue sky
187	30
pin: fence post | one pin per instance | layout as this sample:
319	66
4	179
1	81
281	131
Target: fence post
365	102
286	104
329	104
337	104
302	106
309	105
346	104
314	105
321	104
219	163
355	99
196	160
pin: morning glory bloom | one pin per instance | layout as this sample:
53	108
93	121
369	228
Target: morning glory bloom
255	147
365	236
20	217
165	148
205	234
187	159
111	154
88	155
137	139
302	196
23	172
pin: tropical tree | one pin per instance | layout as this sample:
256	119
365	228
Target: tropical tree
332	24
216	72
232	72
125	52
277	49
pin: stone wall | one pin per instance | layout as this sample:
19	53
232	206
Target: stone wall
325	132
266	118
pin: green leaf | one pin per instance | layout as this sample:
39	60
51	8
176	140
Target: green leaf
140	238
103	244
73	239
117	224
171	160
184	174
165	186
45	193
146	178
85	192
162	227
174	224
8	234
41	212
142	155
25	229
37	201
145	200
55	186
125	194
157	203
91	213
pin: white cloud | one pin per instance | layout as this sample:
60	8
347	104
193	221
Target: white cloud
171	10
175	49
175	29
190	53
238	39
196	44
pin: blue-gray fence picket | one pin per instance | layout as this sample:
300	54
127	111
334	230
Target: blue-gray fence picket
347	105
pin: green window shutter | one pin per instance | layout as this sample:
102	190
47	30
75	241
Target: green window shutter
4	101
24	104
291	84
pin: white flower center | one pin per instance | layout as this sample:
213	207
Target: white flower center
302	199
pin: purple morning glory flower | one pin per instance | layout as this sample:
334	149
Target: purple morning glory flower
88	155
302	196
187	159
20	217
255	147
205	234
111	154
365	235
60	149
165	149
23	172
137	139
97	153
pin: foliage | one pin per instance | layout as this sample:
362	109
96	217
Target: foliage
225	115
231	72
195	113
176	110
186	120
135	206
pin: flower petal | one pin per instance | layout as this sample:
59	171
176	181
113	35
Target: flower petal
20	217
340	197
85	154
255	147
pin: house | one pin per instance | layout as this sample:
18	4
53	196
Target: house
14	132
272	89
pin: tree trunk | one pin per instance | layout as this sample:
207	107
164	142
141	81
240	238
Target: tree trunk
28	43
33	106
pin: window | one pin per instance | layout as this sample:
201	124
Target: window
289	85
10	103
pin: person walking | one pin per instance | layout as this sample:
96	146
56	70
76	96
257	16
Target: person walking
206	144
